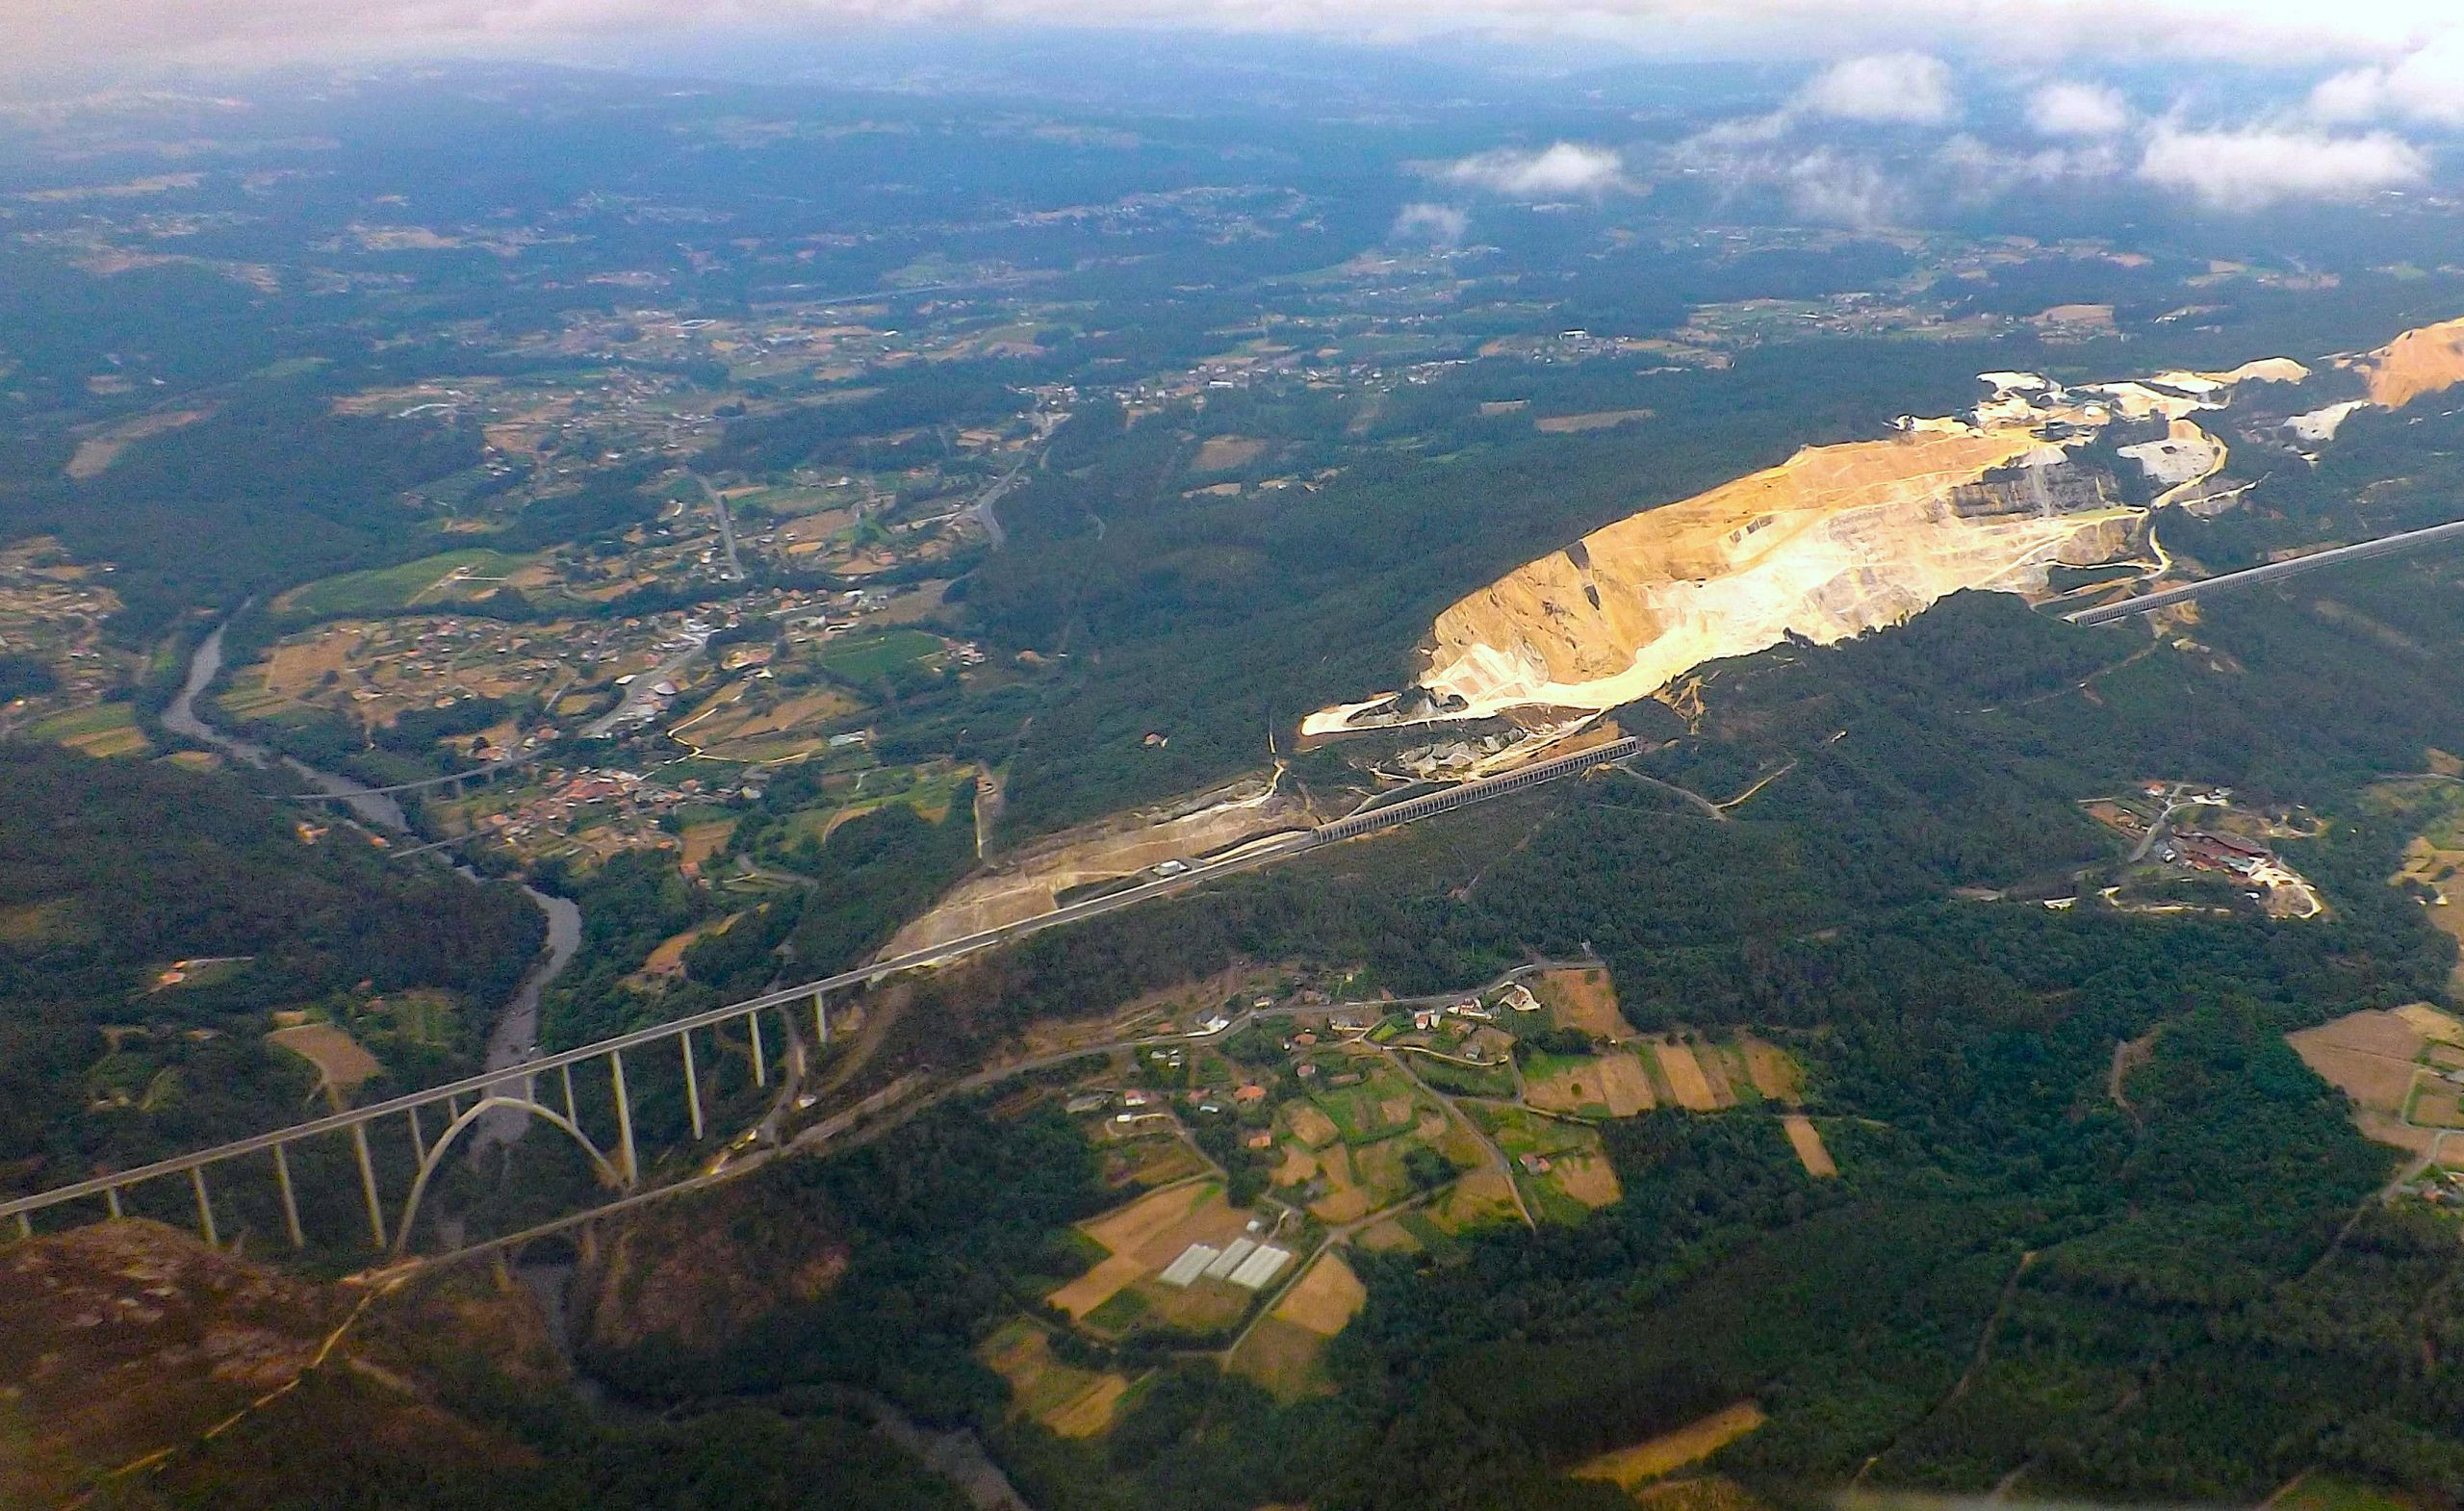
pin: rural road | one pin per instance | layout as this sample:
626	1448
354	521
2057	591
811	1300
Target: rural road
727	525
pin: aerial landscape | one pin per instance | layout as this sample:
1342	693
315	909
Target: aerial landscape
1236	758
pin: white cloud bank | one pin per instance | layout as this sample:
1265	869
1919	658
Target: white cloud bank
1440	225
1561	171
2425	84
68	35
2071	110
2253	169
1913	88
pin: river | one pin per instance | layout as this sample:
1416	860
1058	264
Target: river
180	718
517	1026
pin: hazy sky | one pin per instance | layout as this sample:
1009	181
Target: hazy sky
49	35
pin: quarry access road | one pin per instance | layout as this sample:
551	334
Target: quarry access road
2274	571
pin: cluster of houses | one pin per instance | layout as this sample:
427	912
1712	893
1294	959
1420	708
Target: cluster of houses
2204	852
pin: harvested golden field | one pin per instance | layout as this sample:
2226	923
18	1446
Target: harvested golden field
2439	1106
1093	1413
1588	1178
1144	1236
1723	1070
96	452
1582	1000
1806	1140
2431	1023
668	958
702	841
1224	452
1071	1401
1616	1080
1479	1198
1386	1237
2426	361
343	1064
1775	1073
1628	1467
1596	420
1686	1078
2370	1056
1326	1299
1311	1126
1285	1358
1283	1352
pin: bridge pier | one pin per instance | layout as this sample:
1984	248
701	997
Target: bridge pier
630	1168
110	1201
567	1072
419	1139
760	1068
692	1086
821	1018
368	1184
289	1201
204	1206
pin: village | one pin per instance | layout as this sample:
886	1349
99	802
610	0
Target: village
1264	1134
2228	844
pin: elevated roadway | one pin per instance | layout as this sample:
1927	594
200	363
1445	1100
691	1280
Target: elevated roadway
2272	572
498	1087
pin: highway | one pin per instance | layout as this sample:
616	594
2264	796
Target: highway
1246	858
2274	571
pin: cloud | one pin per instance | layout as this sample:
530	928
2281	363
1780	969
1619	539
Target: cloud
1979	171
2065	108
2252	168
1829	188
1910	87
65	35
1561	171
2425	84
1441	225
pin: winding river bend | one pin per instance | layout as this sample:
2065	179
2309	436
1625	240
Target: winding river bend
517	1024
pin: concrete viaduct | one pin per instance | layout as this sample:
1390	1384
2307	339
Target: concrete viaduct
610	1149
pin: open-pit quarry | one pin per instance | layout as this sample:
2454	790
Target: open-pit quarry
1841	539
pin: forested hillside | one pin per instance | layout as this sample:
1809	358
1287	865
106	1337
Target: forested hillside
110	872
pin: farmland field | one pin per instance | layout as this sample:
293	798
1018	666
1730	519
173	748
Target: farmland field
1380	1107
1774	1073
1806	1140
103	730
449	576
864	659
1072	1401
1612	1085
1141	1238
2371	1058
1687	1084
1630	1467
1583	999
1283	1352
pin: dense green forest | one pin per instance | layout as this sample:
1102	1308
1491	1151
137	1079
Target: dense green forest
2192	1296
110	871
2185	1292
